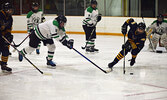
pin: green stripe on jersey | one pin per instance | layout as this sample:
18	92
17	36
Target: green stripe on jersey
56	37
29	14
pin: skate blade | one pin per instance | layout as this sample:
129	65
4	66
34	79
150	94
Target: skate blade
7	72
51	67
90	52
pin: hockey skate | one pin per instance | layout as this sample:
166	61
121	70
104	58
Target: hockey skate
50	64
37	51
20	56
5	69
89	50
110	67
95	50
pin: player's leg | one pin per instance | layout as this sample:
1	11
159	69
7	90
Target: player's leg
4	59
89	43
163	40
127	48
134	55
155	39
94	38
51	49
33	44
38	48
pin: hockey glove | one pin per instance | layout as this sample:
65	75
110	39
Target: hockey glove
43	19
70	43
132	61
126	46
124	30
99	17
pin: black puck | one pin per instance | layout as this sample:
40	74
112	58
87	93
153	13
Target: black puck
158	51
131	73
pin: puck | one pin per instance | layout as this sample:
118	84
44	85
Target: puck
131	73
158	51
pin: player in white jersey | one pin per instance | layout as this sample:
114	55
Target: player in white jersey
91	17
158	31
35	17
45	32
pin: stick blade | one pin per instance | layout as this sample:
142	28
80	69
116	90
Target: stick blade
48	74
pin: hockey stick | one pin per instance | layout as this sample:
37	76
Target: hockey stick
88	39
124	58
25	57
89	60
21	41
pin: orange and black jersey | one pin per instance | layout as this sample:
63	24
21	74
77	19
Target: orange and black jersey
134	38
6	23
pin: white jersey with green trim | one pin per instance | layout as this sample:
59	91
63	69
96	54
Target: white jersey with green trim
159	28
49	29
90	17
34	18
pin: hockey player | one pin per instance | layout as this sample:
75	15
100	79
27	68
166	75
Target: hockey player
158	31
34	17
135	42
6	22
45	32
91	17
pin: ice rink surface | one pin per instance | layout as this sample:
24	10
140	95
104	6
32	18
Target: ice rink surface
76	79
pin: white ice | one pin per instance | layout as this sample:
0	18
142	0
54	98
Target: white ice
77	79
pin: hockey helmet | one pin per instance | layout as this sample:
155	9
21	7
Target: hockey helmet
93	2
141	26
160	18
7	6
35	4
61	18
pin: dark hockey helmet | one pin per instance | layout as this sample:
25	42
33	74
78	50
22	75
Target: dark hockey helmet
160	18
141	26
61	18
35	4
93	2
7	6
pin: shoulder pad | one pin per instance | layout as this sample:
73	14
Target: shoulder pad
29	14
165	21
90	9
55	23
39	9
154	22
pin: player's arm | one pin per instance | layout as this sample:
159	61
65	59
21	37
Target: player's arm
30	23
130	22
62	37
43	18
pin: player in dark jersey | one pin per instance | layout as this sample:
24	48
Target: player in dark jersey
135	42
6	22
